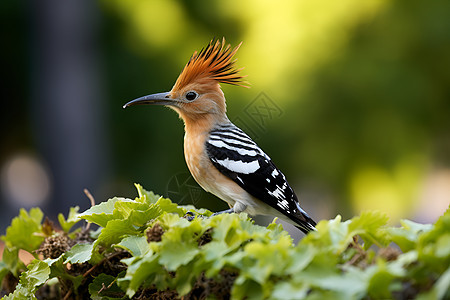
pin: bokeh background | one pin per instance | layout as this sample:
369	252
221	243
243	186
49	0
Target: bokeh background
350	98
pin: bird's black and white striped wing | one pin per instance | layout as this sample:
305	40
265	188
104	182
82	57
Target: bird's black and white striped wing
238	157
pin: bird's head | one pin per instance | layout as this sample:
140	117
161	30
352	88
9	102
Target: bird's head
196	94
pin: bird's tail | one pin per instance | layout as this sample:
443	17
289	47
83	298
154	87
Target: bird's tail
305	225
303	221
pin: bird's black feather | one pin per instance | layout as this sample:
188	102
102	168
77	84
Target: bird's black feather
236	156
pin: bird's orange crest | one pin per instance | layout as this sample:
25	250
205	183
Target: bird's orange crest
215	62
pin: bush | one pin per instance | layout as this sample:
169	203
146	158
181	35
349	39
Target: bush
151	248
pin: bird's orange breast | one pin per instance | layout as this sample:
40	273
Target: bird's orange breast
201	168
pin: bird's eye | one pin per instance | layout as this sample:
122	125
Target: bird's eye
191	96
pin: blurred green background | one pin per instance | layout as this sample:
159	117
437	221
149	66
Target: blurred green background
351	99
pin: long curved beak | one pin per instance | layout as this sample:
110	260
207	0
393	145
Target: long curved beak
154	99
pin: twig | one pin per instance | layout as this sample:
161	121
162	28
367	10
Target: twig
91	198
66	297
98	264
360	253
103	288
89	195
106	287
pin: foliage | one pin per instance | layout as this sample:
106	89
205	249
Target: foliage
151	246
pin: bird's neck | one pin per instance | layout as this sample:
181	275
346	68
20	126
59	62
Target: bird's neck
202	124
197	133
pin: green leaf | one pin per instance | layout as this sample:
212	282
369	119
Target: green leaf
72	219
319	294
198	211
3	270
248	290
441	289
139	213
262	253
25	231
11	260
123	209
56	266
370	226
79	253
289	291
434	244
406	236
276	228
18	295
36	275
329	234
381	275
350	285
169	207
58	269
143	269
178	246
185	278
215	253
170	220
146	196
95	233
301	257
337	235
443	246
115	231
323	265
227	228
136	245
101	213
174	254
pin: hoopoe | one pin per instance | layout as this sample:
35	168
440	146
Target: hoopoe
220	156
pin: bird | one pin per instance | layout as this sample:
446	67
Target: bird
221	157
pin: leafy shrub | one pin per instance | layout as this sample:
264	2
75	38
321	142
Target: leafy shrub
150	248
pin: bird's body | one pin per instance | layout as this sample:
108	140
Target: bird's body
205	170
221	157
